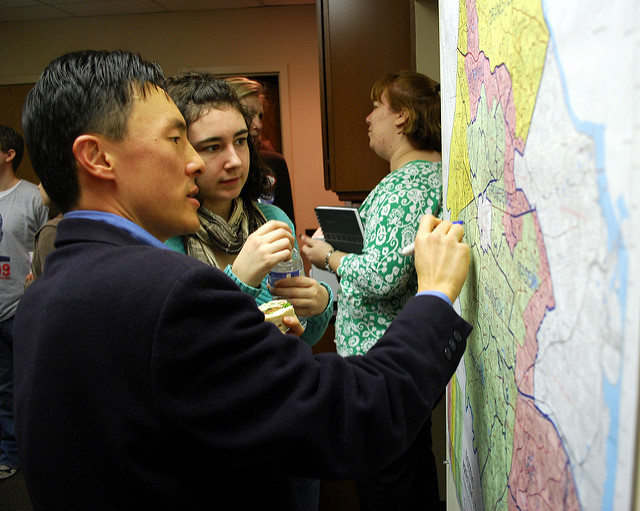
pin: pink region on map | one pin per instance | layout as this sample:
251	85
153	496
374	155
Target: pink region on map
498	89
533	315
540	475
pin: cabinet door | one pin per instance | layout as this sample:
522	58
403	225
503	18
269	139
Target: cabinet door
360	40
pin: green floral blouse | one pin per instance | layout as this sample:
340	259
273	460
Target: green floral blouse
375	285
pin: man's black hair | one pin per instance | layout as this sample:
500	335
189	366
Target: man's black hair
80	92
11	139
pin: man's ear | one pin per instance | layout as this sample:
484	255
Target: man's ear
11	154
91	153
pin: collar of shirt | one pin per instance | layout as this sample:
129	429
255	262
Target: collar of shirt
120	222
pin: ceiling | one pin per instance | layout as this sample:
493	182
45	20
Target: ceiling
23	10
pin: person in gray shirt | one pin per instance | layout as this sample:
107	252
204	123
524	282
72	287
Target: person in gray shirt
21	215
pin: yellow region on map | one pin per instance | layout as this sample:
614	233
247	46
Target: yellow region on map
459	189
514	33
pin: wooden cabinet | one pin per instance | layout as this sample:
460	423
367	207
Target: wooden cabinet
360	40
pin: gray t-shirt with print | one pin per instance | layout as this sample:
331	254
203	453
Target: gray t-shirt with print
21	215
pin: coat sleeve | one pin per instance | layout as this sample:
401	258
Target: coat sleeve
237	391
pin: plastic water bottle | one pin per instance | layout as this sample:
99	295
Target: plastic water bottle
294	267
291	268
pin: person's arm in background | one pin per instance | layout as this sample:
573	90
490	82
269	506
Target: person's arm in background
389	227
43	246
269	245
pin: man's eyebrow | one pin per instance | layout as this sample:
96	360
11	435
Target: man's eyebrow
177	123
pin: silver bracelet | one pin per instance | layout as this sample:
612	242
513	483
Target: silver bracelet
326	260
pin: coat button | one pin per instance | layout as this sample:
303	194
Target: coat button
452	345
447	353
457	335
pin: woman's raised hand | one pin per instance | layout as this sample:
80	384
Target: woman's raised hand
265	247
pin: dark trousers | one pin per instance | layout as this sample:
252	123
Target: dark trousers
410	483
8	448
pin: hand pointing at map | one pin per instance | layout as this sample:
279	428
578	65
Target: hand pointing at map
442	259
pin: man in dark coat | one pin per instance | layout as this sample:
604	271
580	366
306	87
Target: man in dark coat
147	380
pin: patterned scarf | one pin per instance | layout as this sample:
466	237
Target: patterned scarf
228	237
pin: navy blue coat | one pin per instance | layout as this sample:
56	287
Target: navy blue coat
145	379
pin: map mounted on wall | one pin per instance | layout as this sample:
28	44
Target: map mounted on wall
541	131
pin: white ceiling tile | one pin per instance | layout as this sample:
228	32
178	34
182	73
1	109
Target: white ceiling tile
22	10
198	5
41	12
287	2
110	7
69	2
17	3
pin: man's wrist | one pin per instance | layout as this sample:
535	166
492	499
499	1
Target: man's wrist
436	293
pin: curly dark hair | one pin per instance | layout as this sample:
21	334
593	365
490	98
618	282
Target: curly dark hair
195	94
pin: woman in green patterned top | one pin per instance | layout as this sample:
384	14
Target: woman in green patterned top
404	129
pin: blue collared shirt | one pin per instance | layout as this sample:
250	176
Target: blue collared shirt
120	222
436	293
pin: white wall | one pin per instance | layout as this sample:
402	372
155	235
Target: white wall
428	63
427	42
282	38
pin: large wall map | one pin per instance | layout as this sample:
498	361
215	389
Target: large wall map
541	114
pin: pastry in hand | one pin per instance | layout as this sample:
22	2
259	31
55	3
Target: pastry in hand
275	310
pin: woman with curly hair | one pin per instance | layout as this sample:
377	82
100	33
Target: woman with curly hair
238	235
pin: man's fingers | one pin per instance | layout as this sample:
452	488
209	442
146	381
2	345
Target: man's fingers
442	258
429	222
445	227
457	230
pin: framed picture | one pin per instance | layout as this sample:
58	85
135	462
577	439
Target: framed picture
274	79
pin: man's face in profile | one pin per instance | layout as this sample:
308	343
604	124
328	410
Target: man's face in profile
156	168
